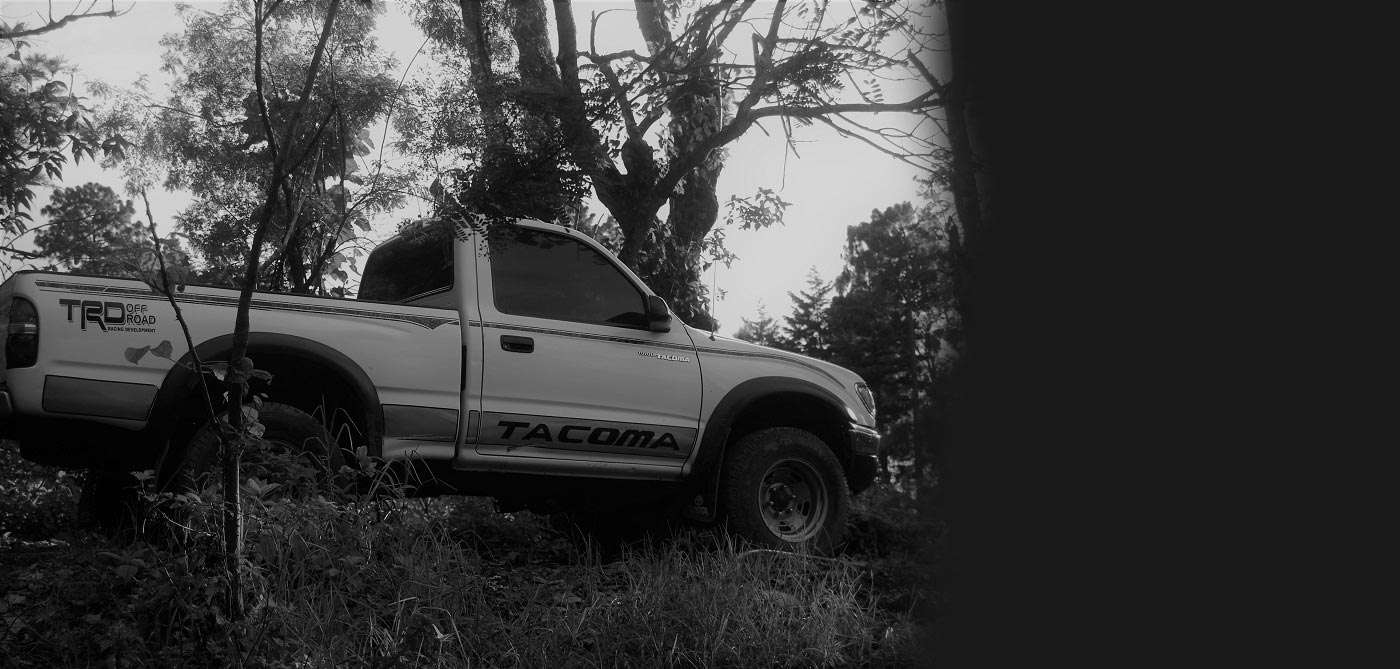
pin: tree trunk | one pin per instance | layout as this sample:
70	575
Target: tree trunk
968	195
236	376
476	40
696	112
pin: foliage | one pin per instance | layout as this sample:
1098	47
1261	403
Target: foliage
763	330
895	322
486	112
35	500
805	330
42	122
90	230
208	138
415	582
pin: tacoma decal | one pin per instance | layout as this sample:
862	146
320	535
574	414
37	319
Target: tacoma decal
664	356
111	316
515	430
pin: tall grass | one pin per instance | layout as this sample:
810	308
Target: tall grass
445	582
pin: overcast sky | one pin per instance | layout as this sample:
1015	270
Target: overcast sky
834	182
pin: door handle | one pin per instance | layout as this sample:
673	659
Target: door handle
516	344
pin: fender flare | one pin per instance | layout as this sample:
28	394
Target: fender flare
706	469
181	382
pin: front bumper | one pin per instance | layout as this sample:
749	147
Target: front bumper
864	440
865	446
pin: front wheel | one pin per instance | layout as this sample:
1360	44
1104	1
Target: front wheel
783	488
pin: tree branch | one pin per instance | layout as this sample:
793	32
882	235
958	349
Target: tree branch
682	165
16	33
619	96
928	75
925	101
902	157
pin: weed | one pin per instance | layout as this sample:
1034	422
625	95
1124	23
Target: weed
359	579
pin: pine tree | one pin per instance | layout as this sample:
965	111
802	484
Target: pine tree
894	321
90	230
762	331
806	329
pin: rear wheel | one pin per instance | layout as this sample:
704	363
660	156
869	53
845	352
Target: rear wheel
109	499
783	488
295	451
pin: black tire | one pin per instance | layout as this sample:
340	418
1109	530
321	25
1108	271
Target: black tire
295	450
783	488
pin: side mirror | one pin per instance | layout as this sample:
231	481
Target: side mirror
658	315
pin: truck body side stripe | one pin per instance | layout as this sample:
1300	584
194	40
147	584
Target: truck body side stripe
424	321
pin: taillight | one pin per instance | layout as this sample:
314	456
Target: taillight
22	340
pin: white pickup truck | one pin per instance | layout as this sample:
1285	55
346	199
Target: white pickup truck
524	363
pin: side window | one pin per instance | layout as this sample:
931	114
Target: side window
415	267
548	275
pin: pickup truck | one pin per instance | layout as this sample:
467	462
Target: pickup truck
522	362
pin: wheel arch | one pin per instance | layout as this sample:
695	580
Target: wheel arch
758	403
178	401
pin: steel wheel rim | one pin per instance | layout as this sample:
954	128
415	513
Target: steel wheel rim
792	500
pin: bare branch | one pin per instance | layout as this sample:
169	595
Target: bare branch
27	255
925	101
902	157
52	25
928	75
609	57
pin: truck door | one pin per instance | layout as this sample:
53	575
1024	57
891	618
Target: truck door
573	381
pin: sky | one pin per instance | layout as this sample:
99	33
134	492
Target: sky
832	182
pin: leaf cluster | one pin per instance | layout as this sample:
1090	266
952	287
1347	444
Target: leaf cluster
43	122
208	137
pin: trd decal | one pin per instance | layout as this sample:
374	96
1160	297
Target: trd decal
117	316
420	320
587	435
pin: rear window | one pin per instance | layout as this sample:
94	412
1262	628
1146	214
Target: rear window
410	267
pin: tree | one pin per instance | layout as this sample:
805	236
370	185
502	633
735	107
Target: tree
805	330
648	129
763	331
895	322
287	154
489	115
208	137
90	230
42	122
799	64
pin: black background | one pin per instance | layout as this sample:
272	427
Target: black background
1145	360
